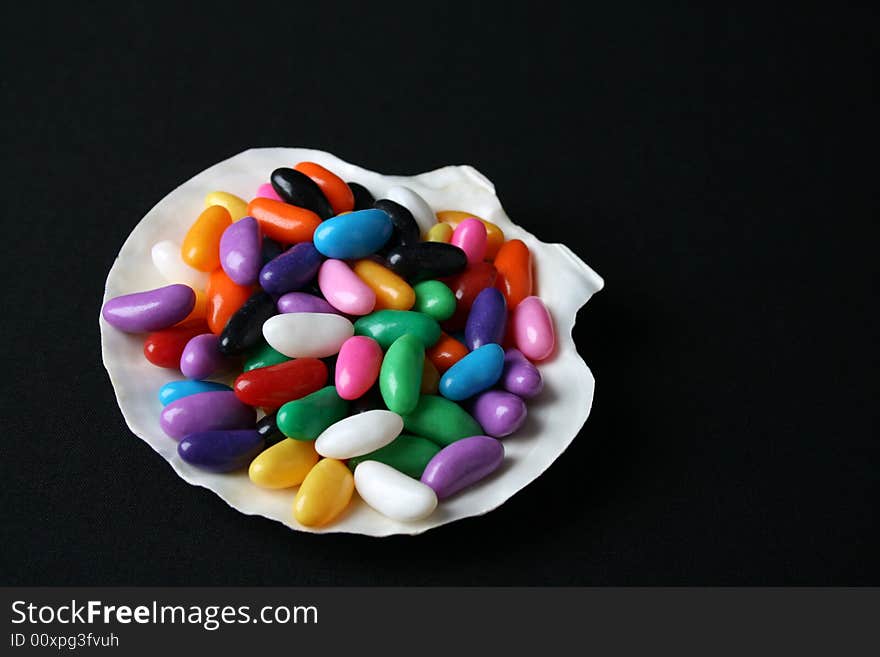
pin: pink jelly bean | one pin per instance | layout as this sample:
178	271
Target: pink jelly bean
267	191
533	329
344	289
357	366
470	237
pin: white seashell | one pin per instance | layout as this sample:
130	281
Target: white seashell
167	259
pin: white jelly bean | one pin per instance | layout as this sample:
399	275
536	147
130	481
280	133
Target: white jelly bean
392	493
167	260
307	335
421	211
359	434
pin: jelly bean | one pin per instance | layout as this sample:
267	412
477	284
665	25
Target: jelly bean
201	246
400	378
353	235
267	191
533	329
270	250
494	235
201	358
271	387
470	237
359	434
385	326
434	299
462	464
206	411
487	319
420	210
440	420
519	376
298	189
164	348
241	251
168	262
324	493
391	290
263	356
314	335
283	222
303	302
244	330
151	310
409	454
357	366
236	206
178	389
292	270
308	417
514	265
466	286
220	450
369	401
200	309
499	413
363	199
268	429
474	373
440	233
283	465
446	353
430	379
344	290
334	188
392	493
419	262
225	297
406	230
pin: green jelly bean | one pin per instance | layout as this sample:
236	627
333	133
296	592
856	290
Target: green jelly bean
434	299
263	356
385	326
400	377
306	418
406	453
440	420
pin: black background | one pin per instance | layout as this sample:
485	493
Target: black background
709	165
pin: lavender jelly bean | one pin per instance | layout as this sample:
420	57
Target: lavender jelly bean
241	251
201	357
206	411
520	376
222	450
151	310
303	302
292	270
500	413
487	319
462	464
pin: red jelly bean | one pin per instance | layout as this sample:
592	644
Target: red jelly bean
164	348
283	222
335	189
514	265
272	387
446	352
466	286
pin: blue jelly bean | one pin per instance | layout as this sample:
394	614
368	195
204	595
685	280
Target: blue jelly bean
477	371
353	235
176	389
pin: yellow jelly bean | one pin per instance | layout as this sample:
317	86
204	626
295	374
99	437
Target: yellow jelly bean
494	235
392	292
283	465
236	207
440	233
324	493
430	378
201	246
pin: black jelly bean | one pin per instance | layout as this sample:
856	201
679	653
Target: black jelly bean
363	200
426	260
268	429
298	189
271	250
244	329
369	401
406	230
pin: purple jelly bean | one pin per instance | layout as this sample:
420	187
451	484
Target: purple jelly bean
302	302
201	357
221	451
462	464
486	320
500	413
206	411
241	251
152	310
520	376
292	270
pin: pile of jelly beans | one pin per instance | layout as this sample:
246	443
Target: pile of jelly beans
405	312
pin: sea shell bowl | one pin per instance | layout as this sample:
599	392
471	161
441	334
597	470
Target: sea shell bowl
555	417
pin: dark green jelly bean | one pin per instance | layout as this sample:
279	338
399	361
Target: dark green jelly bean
440	420
406	453
307	418
401	374
263	356
434	299
385	326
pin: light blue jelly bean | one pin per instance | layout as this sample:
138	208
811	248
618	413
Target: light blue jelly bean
353	235
474	373
177	389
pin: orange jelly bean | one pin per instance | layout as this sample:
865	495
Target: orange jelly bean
283	222
201	246
494	235
335	188
224	297
392	292
514	265
446	352
199	310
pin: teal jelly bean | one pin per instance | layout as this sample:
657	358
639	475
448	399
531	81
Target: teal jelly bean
176	389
